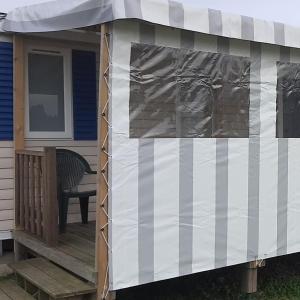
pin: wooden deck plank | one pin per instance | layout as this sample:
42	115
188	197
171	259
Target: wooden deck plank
13	291
3	296
58	274
40	279
87	231
82	244
51	279
72	251
60	256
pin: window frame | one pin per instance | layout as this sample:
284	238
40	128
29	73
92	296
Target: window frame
68	95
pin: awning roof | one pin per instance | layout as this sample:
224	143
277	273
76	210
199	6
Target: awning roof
7	6
184	14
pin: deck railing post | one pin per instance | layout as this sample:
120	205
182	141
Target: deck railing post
50	209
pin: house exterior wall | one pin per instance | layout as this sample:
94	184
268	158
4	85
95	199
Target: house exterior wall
6	178
6	186
87	148
182	206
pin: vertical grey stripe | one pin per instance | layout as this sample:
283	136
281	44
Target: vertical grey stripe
187	39
186	207
255	89
282	200
283	166
285	57
247	28
147	33
215	22
285	54
279	34
223	45
146	190
221	226
133	9
176	14
253	199
146	210
254	152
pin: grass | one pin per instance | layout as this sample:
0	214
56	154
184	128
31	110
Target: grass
279	280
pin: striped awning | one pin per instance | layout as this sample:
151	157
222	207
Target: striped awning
62	15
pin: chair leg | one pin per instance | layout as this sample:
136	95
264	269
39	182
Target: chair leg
63	214
84	209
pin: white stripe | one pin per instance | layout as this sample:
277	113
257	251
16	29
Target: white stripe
204	183
270	55
268	198
293	232
196	20
237	200
166	208
238	183
166	188
124	164
292	36
155	11
232	25
118	9
263	31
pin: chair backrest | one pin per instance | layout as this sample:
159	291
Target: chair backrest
71	168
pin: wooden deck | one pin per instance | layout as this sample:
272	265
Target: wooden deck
75	251
45	278
9	290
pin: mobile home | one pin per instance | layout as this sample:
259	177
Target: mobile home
197	145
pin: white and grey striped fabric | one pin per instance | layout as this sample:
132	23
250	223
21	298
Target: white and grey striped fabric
180	206
61	15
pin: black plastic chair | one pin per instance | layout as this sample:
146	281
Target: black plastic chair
71	167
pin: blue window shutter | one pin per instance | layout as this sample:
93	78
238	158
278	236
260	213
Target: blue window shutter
84	95
6	91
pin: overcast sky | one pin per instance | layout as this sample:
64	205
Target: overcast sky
273	10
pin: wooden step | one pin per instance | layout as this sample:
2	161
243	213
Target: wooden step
9	290
66	256
50	279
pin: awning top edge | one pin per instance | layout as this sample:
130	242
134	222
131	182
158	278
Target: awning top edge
63	15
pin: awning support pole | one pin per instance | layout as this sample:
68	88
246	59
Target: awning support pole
103	219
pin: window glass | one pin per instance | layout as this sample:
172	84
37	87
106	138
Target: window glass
46	93
185	93
288	100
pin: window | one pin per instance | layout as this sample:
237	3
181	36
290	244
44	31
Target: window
288	100
49	103
185	93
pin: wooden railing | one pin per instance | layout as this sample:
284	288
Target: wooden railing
36	209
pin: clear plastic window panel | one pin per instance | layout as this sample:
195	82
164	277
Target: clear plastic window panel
188	94
288	100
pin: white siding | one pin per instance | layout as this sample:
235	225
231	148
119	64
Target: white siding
88	149
6	186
